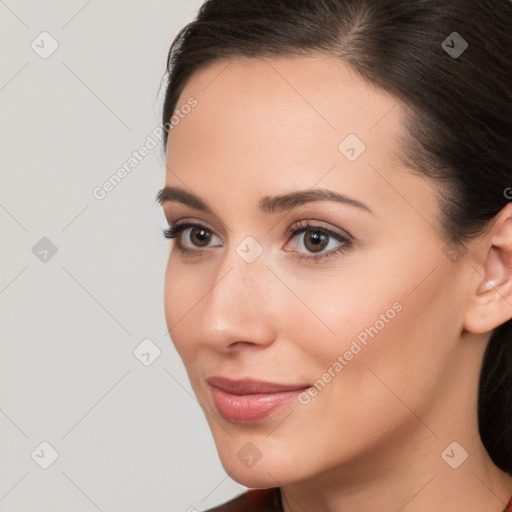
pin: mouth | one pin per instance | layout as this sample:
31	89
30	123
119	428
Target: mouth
250	401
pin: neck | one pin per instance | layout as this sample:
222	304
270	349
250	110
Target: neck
419	481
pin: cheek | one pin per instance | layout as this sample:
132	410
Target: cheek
182	292
387	320
396	348
338	310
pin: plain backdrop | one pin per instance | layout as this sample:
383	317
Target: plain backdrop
96	410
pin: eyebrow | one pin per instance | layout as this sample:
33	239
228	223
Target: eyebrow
267	204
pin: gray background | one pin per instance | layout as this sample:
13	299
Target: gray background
128	431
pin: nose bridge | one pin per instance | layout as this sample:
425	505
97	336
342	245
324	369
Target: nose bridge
238	307
244	275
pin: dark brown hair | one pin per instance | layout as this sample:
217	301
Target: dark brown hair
460	129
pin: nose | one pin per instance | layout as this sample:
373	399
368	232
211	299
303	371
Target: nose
241	308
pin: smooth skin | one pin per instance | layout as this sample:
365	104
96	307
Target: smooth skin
374	437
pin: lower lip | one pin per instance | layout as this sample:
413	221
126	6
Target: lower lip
253	407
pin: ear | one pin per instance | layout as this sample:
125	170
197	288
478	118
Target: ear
490	303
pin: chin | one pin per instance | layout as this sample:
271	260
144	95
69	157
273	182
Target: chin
265	473
253	480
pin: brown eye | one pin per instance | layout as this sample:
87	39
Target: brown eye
199	236
315	241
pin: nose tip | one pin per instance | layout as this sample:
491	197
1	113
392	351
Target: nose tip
237	312
238	333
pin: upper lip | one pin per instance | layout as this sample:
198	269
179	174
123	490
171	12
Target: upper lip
250	386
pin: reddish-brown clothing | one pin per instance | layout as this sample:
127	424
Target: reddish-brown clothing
508	508
267	500
254	500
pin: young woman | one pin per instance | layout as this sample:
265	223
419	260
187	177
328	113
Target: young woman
338	185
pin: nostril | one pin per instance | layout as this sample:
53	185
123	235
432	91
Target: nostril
238	343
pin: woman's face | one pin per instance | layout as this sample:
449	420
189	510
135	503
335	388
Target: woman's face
371	327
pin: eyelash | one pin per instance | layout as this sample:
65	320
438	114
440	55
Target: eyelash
173	232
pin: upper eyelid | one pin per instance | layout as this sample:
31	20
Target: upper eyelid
169	211
191	220
296	227
187	221
310	224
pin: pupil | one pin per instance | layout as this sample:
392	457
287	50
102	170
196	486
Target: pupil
317	240
201	234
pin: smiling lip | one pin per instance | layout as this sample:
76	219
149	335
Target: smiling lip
247	401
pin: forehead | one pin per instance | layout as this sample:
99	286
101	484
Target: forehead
315	96
287	123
